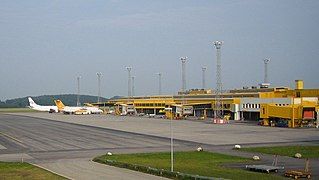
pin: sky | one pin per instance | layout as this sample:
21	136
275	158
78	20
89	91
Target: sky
46	44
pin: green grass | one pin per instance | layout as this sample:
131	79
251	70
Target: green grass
11	170
197	163
14	110
305	151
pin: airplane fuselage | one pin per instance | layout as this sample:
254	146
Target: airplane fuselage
89	110
44	108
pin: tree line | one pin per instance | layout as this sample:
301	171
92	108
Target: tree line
47	100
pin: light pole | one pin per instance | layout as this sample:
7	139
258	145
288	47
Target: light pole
99	74
172	139
129	88
78	93
204	77
218	94
183	60
133	85
266	62
159	83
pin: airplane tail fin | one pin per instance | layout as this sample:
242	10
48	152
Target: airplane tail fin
59	104
89	104
31	102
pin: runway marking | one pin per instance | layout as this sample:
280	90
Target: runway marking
2	147
11	137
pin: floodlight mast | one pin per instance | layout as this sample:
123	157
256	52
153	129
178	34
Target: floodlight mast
78	93
133	85
266	62
129	86
183	60
218	112
204	77
159	83
99	74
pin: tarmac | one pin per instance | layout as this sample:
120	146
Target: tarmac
195	131
87	169
66	144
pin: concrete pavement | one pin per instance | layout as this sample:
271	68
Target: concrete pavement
68	148
87	169
71	144
196	131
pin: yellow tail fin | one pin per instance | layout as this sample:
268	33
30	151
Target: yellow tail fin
59	104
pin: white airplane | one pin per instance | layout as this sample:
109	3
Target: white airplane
77	110
37	107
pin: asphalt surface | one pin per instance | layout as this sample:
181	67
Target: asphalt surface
46	140
196	131
66	144
68	148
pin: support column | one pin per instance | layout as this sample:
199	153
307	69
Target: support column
242	115
266	122
205	113
317	124
293	113
237	115
236	112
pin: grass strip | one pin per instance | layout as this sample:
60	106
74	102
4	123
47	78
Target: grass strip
18	170
14	110
187	163
305	151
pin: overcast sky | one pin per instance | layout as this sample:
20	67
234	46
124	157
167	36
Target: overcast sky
45	45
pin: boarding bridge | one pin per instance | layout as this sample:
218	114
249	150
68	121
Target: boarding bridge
299	113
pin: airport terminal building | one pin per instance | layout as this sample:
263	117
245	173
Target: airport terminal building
279	106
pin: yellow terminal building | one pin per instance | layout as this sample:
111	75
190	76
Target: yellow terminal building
278	106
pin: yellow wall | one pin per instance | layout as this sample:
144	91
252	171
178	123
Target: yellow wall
306	93
299	84
290	93
285	112
151	103
266	95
